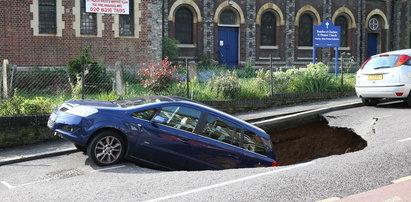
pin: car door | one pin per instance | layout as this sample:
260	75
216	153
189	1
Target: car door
165	141
255	151
217	146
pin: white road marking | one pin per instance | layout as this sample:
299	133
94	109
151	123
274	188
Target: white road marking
330	199
408	139
40	181
403	179
7	184
229	182
111	168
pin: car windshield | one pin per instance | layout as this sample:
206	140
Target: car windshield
381	62
131	102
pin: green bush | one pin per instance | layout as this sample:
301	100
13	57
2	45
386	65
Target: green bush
248	71
281	80
314	78
226	85
204	60
95	75
11	106
253	88
38	105
170	48
22	106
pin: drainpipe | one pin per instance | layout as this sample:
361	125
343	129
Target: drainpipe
362	47
162	28
390	33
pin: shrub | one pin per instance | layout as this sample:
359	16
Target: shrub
225	86
253	88
281	80
314	78
109	96
11	106
38	105
248	71
170	48
204	60
95	76
158	77
22	106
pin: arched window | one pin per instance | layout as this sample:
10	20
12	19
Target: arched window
268	29
343	23
305	30
184	26
228	17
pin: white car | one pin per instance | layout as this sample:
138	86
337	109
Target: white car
386	75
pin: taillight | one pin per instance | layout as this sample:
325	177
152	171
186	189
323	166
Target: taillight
274	164
403	59
363	64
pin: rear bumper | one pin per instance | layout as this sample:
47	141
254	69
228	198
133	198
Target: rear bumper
383	91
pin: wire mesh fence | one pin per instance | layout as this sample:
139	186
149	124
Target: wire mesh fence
221	83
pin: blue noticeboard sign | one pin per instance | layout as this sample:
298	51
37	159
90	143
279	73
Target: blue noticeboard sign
327	35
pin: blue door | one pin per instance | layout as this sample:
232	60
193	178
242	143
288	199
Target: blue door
228	45
372	45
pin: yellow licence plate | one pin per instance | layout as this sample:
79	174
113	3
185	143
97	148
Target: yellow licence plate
375	77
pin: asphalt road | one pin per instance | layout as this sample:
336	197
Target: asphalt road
74	177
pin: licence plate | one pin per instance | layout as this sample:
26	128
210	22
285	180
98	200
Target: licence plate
375	77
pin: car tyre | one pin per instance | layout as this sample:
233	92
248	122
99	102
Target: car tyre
408	100
370	101
106	148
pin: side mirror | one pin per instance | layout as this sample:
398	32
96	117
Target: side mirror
159	119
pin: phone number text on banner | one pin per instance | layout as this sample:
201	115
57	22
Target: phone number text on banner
107	6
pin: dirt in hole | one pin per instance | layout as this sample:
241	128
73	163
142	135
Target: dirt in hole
313	140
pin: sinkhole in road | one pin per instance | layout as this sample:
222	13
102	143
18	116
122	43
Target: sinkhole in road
313	140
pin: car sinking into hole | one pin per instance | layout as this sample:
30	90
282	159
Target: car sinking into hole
386	75
168	133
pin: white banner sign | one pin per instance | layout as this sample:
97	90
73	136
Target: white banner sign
107	6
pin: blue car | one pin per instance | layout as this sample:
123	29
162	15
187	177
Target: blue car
169	133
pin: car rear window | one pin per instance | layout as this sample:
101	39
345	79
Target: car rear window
381	62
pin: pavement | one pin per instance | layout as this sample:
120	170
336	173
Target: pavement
17	154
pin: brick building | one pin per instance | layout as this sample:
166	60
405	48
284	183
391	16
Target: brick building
52	32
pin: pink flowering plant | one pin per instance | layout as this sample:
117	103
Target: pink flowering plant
158	77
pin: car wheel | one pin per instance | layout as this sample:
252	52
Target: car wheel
370	101
81	148
408	100
106	148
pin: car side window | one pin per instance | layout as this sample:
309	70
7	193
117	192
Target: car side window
222	130
183	118
145	115
253	142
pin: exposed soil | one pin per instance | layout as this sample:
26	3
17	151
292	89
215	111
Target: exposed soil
313	140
